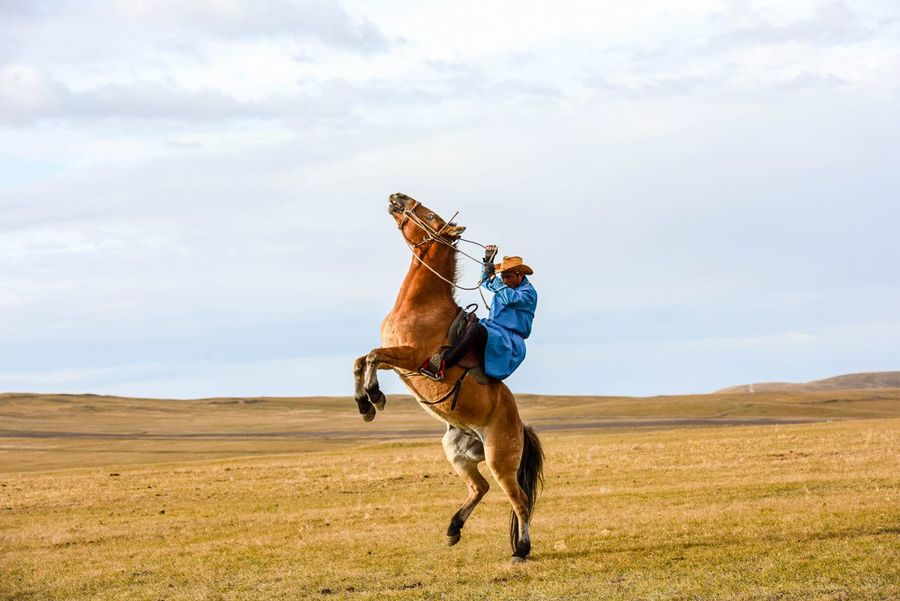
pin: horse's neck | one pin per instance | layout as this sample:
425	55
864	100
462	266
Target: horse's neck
421	288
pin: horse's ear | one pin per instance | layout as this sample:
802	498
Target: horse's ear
454	230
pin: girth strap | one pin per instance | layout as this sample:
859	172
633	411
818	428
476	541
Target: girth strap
454	391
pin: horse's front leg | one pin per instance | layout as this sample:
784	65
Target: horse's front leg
403	357
366	409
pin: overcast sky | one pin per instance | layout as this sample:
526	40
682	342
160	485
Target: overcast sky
193	194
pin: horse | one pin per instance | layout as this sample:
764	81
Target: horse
483	422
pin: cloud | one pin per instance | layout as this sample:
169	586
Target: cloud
21	9
831	23
323	20
460	79
664	87
744	48
25	91
807	80
179	190
174	24
29	94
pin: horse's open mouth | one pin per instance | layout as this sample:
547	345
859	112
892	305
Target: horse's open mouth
394	205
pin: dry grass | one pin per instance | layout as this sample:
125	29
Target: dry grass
39	432
804	511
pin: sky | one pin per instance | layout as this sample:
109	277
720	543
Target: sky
193	195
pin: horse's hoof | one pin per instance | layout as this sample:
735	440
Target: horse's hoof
516	559
452	539
378	399
369	415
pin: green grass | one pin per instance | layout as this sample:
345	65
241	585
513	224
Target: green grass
801	511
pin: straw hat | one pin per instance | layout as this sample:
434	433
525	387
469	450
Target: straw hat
513	264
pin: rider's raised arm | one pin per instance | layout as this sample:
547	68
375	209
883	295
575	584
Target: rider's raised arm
487	272
518	298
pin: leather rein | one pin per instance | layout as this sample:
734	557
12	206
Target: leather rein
432	235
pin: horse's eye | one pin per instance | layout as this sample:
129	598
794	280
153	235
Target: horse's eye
431	215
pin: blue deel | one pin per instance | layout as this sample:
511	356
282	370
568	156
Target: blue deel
509	324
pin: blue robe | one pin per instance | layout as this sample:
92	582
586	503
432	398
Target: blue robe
509	324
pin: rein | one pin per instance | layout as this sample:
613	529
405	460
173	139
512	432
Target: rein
432	235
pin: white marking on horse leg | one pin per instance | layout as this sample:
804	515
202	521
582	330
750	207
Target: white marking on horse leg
525	533
359	394
372	388
464	453
359	365
371	377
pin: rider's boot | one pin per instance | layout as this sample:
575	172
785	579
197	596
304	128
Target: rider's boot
434	367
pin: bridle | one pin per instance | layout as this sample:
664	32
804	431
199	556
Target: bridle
431	234
434	235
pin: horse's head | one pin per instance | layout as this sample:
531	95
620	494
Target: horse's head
418	222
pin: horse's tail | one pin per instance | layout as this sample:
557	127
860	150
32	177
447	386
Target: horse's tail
531	473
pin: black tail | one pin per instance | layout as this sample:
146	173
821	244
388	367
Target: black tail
531	473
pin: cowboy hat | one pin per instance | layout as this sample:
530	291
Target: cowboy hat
513	264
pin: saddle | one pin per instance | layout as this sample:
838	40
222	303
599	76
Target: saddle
470	361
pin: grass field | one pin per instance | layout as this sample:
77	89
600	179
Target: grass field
105	498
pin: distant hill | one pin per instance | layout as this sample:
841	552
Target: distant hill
875	379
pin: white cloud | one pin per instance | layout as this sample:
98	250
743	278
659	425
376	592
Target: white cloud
88	28
830	23
323	20
710	172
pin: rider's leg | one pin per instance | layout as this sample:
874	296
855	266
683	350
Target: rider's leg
473	337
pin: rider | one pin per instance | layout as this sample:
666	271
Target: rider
500	339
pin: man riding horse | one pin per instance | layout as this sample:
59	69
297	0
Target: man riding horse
499	340
482	419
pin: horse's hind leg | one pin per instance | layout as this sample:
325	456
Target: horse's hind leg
464	452
503	460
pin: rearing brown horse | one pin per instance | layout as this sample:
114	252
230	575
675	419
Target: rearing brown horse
483	423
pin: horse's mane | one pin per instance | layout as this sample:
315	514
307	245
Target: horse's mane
454	274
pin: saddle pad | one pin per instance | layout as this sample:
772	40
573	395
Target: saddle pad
478	374
470	361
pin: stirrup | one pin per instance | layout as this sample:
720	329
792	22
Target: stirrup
434	367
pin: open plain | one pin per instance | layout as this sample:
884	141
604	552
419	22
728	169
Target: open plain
725	496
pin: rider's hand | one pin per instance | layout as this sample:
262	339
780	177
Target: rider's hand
490	251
